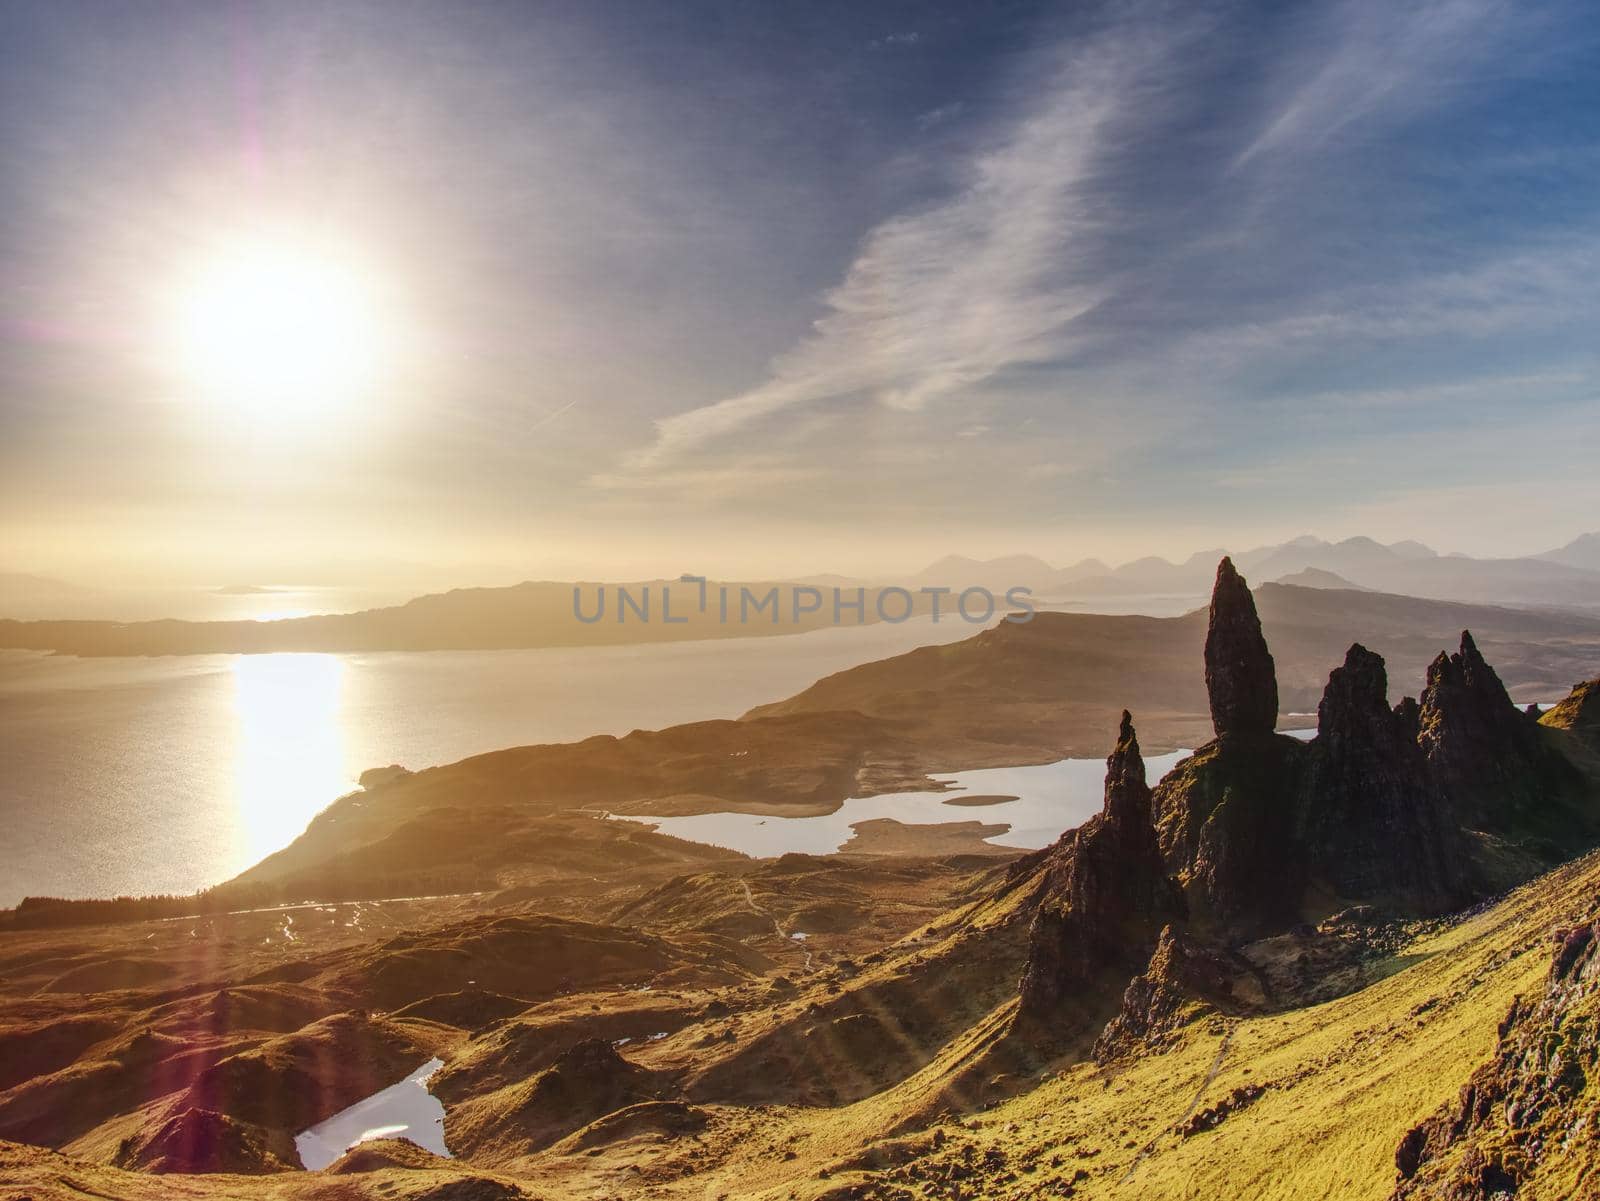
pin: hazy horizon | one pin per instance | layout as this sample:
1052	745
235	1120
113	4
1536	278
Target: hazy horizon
395	579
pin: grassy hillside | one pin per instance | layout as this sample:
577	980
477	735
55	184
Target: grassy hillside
1311	1102
1061	679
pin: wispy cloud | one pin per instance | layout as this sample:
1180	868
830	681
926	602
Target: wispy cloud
1361	58
1518	289
943	298
710	485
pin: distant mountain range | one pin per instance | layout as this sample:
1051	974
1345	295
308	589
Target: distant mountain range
539	613
1583	551
1568	577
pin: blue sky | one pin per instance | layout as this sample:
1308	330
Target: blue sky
745	287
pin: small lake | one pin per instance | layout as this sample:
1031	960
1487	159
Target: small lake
1050	799
404	1110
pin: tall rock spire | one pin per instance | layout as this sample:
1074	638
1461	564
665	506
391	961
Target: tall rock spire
1127	797
1226	815
1241	680
1106	893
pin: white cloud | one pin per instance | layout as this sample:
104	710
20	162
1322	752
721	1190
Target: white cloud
1373	56
943	298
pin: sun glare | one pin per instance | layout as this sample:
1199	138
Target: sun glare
277	328
289	746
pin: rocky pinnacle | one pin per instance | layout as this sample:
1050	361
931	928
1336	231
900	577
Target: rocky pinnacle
1240	677
1106	893
1127	796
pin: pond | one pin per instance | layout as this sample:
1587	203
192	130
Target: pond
404	1110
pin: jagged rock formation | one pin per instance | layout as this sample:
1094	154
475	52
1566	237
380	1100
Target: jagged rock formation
1493	769
1525	1118
1409	716
1106	893
1241	680
1186	978
1416	809
1372	825
1227	819
1481	748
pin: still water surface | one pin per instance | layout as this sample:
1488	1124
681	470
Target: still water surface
1049	799
171	774
405	1110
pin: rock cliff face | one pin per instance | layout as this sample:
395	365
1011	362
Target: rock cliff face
1227	820
1106	893
1526	1117
1417	808
1372	825
1490	765
1184	979
1477	742
1241	679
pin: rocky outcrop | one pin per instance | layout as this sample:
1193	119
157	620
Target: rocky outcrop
1241	681
1372	826
1409	716
1227	817
1416	809
1106	893
1185	979
1578	713
1489	763
1524	1120
1264	834
1479	745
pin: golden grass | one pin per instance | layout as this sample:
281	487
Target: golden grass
1344	1081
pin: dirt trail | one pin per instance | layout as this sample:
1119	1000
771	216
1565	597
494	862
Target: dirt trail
750	900
438	896
1194	1102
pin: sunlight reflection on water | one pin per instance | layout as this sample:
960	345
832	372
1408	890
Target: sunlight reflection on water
289	753
171	774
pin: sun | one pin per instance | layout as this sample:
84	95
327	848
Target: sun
276	327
